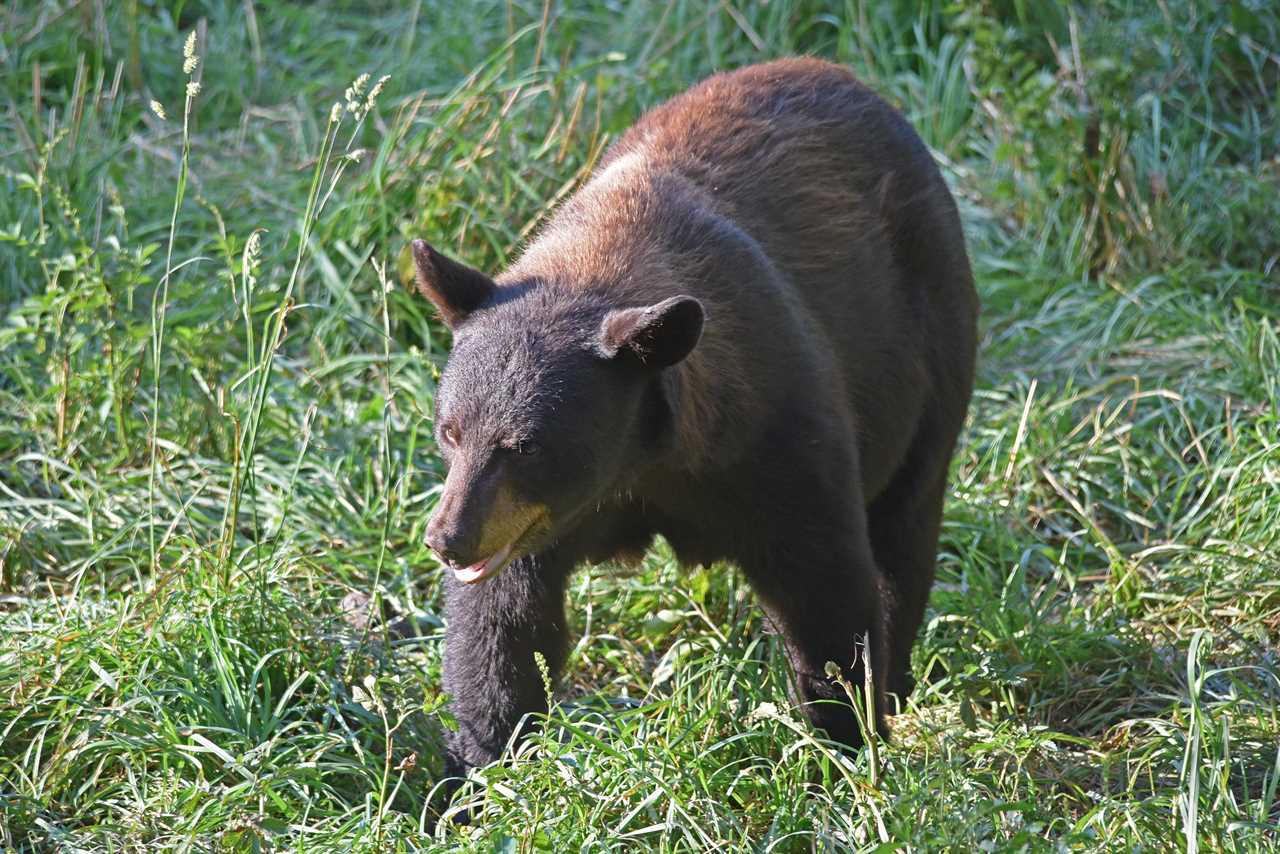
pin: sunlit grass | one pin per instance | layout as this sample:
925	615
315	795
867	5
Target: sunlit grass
182	663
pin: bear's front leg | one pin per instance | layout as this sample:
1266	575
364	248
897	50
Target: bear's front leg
492	630
825	604
816	577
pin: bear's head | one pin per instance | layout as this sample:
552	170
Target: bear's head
551	401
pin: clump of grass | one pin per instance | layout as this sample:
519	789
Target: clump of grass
216	398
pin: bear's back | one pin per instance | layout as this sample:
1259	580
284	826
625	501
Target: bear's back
806	159
866	273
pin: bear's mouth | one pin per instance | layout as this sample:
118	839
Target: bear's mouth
483	569
496	562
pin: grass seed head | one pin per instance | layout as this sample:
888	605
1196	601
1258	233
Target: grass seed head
375	92
189	58
354	93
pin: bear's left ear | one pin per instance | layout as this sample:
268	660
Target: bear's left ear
455	289
659	335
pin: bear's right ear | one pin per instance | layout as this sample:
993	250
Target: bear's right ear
455	289
657	335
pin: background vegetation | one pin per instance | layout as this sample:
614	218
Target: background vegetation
215	397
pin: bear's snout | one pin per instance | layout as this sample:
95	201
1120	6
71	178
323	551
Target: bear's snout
447	541
456	528
478	518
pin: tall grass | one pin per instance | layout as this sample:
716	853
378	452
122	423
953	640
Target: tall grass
221	630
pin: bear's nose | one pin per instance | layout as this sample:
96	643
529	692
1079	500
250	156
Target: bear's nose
446	544
437	542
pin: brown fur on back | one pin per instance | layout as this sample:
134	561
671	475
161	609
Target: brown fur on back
811	175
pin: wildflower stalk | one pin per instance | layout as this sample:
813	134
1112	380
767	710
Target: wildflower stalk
160	298
274	327
384	451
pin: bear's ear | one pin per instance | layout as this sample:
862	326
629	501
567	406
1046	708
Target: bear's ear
455	289
659	335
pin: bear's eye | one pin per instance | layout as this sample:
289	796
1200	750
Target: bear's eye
450	436
527	447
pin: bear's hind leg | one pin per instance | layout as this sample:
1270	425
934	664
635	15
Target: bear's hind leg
904	522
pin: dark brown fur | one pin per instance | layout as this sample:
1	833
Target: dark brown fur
807	435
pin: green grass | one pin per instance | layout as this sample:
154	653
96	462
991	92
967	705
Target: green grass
208	440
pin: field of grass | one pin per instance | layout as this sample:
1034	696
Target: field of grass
216	390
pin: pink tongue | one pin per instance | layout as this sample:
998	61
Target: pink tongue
470	573
477	571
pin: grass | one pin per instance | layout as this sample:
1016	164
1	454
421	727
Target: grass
216	392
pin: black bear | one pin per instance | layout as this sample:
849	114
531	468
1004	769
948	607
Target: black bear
751	331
